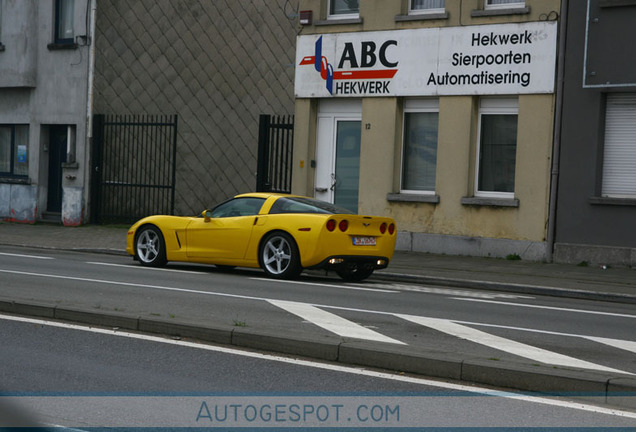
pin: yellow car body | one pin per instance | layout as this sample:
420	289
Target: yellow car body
266	230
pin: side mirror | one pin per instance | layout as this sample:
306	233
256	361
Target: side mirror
207	215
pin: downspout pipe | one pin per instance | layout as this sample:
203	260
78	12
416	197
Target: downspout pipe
556	145
89	102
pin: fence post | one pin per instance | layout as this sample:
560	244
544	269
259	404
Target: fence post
262	171
96	175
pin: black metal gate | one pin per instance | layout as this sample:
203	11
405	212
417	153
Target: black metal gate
275	148
133	167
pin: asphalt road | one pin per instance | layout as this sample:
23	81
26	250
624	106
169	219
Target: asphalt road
582	334
78	377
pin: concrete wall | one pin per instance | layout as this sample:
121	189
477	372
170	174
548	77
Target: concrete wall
217	65
447	224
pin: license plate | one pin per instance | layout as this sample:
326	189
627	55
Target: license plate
364	241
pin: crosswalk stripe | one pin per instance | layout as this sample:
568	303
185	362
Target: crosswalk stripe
616	343
331	322
506	345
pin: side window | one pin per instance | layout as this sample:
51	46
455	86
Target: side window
419	149
247	206
497	147
426	6
343	9
64	21
619	159
14	144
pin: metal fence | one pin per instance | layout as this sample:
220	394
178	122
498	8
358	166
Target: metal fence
275	148
133	167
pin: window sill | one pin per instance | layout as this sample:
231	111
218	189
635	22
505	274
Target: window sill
15	180
415	198
490	202
62	46
613	201
616	3
344	21
498	12
70	165
421	17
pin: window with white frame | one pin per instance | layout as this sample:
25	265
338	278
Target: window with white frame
64	21
427	6
339	9
619	158
419	150
504	4
497	147
14	144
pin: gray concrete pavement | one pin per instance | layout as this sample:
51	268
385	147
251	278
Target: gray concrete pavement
590	282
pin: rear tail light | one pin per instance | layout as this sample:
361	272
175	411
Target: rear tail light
331	225
391	229
383	228
343	225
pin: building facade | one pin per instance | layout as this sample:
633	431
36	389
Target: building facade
596	196
439	114
215	65
44	65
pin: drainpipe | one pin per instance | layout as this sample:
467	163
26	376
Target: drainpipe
89	104
556	149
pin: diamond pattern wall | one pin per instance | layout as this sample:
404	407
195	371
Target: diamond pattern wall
216	64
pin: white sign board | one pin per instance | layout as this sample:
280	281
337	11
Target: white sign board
475	60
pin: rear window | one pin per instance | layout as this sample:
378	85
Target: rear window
305	205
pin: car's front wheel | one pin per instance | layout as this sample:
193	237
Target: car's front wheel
354	272
279	256
150	247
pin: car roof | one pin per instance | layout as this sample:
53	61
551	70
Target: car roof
264	195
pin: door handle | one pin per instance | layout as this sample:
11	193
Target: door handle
320	189
333	181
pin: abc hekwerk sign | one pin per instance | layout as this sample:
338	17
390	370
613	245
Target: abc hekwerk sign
475	60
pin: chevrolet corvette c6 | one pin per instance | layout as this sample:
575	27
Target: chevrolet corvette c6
282	234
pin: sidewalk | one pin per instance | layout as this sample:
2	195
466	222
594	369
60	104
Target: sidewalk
565	280
593	282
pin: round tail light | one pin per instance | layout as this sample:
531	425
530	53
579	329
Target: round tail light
343	225
391	229
331	225
383	228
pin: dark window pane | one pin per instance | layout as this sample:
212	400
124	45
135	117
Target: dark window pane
497	153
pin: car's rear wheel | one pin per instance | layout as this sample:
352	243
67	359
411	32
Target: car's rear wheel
279	256
354	272
150	247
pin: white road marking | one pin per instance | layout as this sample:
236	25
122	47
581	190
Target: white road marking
26	256
140	267
550	308
130	284
349	287
336	368
333	323
506	345
616	343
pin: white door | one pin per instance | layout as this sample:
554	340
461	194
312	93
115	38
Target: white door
338	152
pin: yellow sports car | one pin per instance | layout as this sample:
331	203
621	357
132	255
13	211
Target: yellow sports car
282	234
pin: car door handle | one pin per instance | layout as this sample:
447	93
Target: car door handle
321	189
